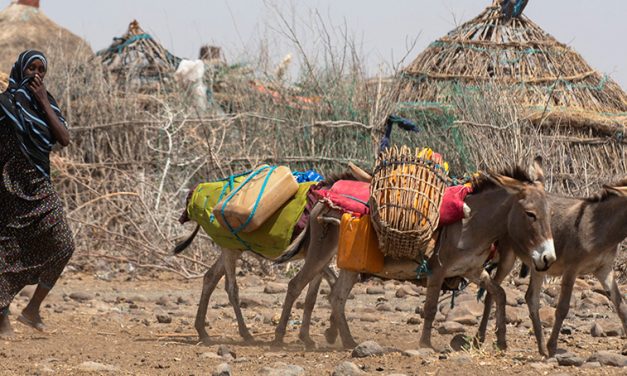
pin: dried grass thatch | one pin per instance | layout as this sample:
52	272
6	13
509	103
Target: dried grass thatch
24	27
136	58
554	83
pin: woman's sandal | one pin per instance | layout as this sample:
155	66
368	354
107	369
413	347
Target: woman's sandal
35	325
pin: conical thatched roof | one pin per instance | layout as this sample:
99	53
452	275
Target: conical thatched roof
137	57
551	79
25	27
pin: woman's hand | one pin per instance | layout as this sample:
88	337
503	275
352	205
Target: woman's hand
58	130
37	87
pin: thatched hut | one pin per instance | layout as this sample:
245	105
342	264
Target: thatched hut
136	58
580	113
23	25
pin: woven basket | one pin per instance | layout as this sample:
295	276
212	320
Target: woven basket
405	196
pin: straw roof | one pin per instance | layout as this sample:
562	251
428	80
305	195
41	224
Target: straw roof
137	57
553	82
25	27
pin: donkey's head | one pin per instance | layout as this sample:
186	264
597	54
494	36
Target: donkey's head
529	216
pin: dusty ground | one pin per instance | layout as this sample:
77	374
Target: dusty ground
114	324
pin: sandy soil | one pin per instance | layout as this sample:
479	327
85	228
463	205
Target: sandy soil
113	324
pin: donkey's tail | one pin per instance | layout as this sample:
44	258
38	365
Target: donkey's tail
180	247
524	271
294	248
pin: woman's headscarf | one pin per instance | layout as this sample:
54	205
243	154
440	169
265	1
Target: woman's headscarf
19	108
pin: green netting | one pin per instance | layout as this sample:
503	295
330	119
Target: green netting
548	88
495	50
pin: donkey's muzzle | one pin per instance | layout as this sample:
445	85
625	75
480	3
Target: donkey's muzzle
544	256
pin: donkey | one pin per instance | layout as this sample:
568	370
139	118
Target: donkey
226	263
587	232
513	204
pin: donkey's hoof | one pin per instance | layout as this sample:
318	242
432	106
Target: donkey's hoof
426	345
348	345
330	335
205	341
502	346
309	343
277	342
248	338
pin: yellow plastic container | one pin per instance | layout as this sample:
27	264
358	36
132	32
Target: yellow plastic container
358	249
238	205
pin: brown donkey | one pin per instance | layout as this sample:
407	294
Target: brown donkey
224	266
513	205
586	232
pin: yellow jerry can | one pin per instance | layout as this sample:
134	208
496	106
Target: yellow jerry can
257	199
358	249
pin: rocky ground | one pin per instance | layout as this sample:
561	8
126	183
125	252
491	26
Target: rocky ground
140	325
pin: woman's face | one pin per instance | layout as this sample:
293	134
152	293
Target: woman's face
36	67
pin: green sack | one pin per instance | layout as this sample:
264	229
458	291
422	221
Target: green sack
270	240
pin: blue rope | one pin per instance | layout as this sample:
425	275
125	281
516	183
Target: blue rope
174	60
423	269
129	41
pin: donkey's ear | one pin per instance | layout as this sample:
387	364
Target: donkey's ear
358	173
511	185
536	173
619	191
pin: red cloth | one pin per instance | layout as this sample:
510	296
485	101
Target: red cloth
452	207
350	196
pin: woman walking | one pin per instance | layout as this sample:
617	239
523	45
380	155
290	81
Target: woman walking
35	240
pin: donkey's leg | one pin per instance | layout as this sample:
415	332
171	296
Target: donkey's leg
311	269
532	297
497	291
310	302
232	290
339	296
434	285
606	277
506	263
209	283
331	333
563	304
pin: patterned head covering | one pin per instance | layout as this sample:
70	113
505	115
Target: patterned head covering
18	108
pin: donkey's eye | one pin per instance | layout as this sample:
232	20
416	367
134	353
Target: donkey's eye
531	215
